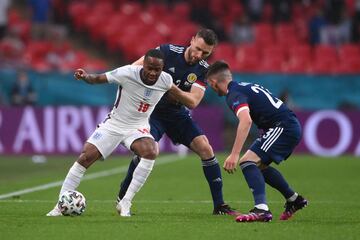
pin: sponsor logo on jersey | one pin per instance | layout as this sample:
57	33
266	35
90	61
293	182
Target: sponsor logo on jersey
192	78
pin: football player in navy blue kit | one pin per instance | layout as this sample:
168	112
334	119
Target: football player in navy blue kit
254	103
187	66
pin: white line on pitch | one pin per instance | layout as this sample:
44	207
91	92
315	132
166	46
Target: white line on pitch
160	161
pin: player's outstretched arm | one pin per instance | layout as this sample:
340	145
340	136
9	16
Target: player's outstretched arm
189	99
81	74
242	132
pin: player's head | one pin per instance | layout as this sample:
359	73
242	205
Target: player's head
153	65
218	77
201	46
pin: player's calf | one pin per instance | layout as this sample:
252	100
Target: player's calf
127	180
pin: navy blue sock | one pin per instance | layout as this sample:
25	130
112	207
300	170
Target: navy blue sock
255	181
274	178
213	176
126	182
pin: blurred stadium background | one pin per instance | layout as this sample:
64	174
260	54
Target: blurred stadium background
306	52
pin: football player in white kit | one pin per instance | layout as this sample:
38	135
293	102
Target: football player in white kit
140	89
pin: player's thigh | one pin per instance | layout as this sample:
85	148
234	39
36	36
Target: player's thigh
276	145
141	143
201	146
105	141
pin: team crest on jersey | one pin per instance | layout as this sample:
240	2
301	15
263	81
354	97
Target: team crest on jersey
147	93
192	78
97	136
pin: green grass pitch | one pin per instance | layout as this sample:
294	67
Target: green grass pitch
175	203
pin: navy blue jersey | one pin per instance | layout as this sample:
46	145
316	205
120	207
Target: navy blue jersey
184	75
266	111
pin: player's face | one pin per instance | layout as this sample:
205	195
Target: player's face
218	88
198	50
152	70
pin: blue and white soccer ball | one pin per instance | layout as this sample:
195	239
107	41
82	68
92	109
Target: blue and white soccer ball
72	203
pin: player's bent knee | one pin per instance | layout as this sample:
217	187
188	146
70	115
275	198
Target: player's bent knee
150	155
244	159
201	146
149	152
249	159
250	156
145	148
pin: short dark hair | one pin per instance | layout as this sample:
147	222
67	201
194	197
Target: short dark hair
208	35
156	53
217	67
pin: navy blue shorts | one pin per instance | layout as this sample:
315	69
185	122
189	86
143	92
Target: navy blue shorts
179	127
278	142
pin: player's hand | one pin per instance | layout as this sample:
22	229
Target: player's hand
231	163
171	98
80	74
172	94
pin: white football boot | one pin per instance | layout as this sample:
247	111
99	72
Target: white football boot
55	212
123	208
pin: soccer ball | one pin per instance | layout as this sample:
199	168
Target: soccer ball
72	203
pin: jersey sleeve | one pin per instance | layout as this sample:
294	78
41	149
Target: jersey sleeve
237	102
118	75
167	79
164	48
200	84
201	81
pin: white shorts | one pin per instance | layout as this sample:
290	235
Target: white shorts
106	141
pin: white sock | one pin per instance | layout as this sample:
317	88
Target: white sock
262	206
73	178
293	197
141	173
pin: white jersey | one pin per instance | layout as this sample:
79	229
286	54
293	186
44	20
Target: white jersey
135	100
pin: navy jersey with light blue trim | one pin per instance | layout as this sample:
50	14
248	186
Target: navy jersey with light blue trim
183	74
265	110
